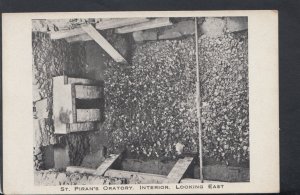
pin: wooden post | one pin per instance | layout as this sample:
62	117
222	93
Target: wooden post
199	103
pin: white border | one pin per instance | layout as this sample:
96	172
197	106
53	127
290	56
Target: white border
263	99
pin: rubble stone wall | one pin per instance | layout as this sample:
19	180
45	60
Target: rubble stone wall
224	91
53	58
150	104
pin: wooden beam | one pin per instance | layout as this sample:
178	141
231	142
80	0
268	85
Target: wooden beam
155	23
119	22
107	164
66	33
191	180
179	170
88	115
133	177
81	37
90	30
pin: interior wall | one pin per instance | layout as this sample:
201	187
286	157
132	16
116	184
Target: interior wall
150	104
54	58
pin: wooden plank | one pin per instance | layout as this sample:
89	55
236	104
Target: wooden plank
77	38
179	170
155	23
87	92
86	126
89	29
119	22
66	33
88	115
107	164
191	180
136	177
78	169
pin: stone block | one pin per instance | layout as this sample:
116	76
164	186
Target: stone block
170	35
88	115
179	29
147	35
234	24
61	157
42	108
41	132
36	96
213	27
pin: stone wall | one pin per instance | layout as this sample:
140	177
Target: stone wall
53	58
150	104
52	178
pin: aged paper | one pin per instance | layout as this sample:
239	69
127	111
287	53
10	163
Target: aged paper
263	105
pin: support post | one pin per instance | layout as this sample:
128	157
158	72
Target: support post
198	93
110	50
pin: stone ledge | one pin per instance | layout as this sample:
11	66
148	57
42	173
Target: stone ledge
53	178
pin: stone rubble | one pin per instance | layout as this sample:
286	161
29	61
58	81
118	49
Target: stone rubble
53	177
150	105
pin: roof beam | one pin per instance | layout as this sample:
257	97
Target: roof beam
155	23
66	33
76	38
110	50
118	22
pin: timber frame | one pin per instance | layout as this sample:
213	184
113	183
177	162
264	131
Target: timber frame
176	175
87	32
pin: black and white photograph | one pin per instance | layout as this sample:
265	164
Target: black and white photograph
140	100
